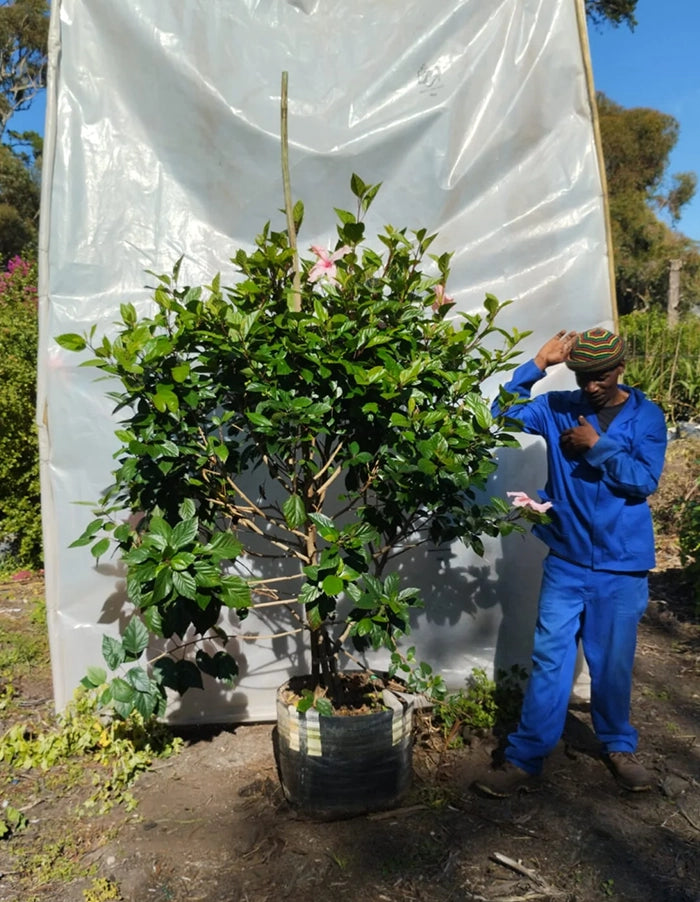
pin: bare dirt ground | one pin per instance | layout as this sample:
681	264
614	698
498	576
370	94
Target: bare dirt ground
212	824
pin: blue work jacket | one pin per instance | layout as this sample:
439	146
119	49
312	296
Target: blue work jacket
599	515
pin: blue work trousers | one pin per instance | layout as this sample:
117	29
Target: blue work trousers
602	609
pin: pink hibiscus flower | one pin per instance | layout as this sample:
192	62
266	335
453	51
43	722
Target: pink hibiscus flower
325	267
520	499
440	297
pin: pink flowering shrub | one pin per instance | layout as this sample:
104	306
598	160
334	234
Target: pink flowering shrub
358	405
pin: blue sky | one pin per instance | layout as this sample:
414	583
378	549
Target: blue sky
656	66
653	66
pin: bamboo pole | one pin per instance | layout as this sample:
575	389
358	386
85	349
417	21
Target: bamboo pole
590	87
295	299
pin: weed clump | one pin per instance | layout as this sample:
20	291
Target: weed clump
481	706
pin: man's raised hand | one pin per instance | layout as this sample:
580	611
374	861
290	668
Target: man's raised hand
556	350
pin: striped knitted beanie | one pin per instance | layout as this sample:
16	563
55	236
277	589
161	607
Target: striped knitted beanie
596	350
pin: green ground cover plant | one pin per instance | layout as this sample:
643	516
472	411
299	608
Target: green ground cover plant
113	751
481	705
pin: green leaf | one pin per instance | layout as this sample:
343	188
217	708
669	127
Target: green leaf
305	702
324	707
371	376
169	449
491	304
137	556
182	560
165	399
124	709
363	602
128	314
187	509
476	404
326	528
99	548
135	637
88	533
224	546
139	679
309	593
369	195
71	341
206	575
364	627
163	585
257	419
298	214
409	374
344	215
294	512
153	620
352	590
218	449
181	372
145	703
159	527
184	533
122	691
113	652
314	617
357	186
96	676
352	232
235	592
184	584
333	585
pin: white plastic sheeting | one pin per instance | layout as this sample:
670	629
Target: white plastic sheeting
162	139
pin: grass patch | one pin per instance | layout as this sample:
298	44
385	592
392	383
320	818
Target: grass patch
51	860
18	648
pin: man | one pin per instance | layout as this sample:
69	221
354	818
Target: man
605	451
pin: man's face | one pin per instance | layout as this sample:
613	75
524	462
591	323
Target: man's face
600	387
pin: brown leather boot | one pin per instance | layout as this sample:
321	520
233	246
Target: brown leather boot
506	781
628	771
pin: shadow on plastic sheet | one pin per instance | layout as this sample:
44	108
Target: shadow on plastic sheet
479	608
275	650
478	612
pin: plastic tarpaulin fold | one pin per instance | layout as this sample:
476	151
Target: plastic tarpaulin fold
163	139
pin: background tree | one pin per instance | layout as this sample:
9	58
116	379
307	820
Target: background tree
19	205
24	26
683	190
614	11
636	147
23	58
